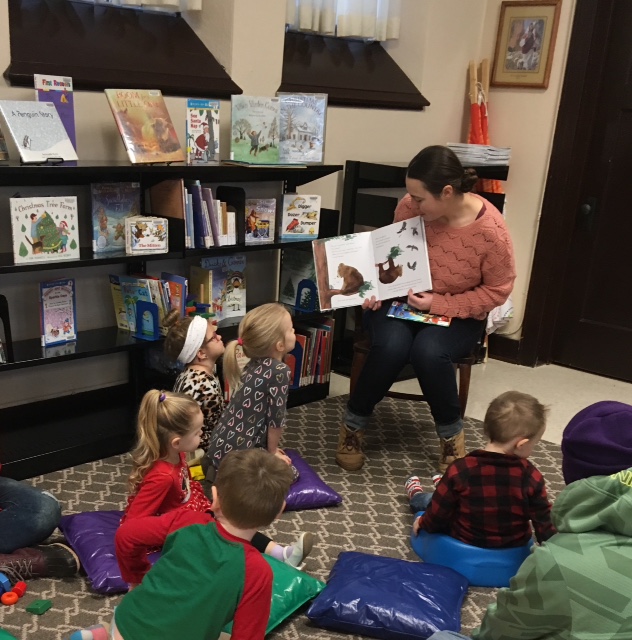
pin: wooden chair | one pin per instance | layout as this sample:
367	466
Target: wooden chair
463	367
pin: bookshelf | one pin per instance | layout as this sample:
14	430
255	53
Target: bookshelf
47	435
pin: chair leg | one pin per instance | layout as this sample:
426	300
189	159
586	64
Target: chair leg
357	365
465	374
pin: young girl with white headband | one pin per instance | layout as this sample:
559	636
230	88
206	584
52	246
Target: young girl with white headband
194	342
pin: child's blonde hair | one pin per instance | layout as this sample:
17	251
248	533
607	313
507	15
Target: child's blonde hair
177	335
259	332
162	416
252	485
514	414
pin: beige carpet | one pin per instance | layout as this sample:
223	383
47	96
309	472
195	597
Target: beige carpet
373	518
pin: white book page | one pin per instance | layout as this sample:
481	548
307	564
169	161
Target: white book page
401	259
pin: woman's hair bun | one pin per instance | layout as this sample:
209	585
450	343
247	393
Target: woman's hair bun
468	180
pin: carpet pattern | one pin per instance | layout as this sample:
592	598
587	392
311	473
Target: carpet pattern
373	518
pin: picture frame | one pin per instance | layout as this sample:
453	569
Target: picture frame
525	43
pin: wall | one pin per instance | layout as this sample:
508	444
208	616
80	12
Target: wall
434	49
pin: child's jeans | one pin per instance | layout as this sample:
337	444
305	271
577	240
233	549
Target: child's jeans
420	501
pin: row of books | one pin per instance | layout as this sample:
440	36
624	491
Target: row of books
288	129
310	360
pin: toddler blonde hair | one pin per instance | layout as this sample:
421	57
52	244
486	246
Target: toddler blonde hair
514	414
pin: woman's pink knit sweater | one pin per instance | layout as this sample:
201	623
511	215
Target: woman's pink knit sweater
472	267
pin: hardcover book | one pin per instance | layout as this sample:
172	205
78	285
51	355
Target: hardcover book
134	289
298	280
301	217
4	152
44	229
302	121
58	90
146	234
255	130
34	131
58	318
405	312
145	125
202	131
260	216
112	202
228	294
384	263
120	310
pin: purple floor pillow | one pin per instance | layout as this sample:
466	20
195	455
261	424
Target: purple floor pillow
309	491
91	535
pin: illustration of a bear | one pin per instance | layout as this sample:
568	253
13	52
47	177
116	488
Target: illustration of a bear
352	280
389	275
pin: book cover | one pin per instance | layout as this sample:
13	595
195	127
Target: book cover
228	295
58	90
301	217
302	122
44	229
260	216
112	202
384	263
120	310
202	131
58	311
254	129
34	131
405	312
4	152
298	280
145	125
146	234
133	290
178	286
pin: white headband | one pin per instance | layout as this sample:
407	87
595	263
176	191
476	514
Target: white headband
195	338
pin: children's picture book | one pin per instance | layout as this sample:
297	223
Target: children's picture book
228	297
301	217
120	310
4	152
302	121
384	263
112	202
254	130
34	132
145	125
58	90
44	229
134	289
146	234
202	131
298	280
260	217
58	311
404	311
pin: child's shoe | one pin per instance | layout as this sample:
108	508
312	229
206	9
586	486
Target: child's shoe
413	486
97	632
436	478
295	554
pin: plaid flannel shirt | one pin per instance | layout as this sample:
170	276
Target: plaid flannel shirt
487	499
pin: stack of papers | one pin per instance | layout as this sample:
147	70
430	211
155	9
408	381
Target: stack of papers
480	154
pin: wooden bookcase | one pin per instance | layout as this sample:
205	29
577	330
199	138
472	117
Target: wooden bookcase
53	434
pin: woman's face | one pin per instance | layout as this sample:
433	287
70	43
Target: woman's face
430	206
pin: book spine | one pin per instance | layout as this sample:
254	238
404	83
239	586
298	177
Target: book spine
207	194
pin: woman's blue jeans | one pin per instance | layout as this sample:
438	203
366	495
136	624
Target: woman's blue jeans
28	516
430	349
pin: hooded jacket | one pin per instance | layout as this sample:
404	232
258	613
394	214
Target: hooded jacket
578	585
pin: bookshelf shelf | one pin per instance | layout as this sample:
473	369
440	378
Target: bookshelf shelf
71	429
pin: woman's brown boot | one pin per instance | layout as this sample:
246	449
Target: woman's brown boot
349	453
451	449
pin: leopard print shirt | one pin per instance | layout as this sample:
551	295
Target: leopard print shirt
206	390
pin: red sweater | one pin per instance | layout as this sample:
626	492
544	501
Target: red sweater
472	267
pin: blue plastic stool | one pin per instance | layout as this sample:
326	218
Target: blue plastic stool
481	567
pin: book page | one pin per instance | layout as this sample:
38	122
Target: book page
401	259
345	270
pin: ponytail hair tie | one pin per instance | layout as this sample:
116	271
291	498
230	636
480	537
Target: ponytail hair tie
240	342
162	397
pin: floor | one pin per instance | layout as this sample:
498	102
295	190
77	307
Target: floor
565	391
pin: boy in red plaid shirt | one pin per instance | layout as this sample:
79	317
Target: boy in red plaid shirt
487	498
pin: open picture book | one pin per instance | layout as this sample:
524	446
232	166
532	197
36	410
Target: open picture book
384	263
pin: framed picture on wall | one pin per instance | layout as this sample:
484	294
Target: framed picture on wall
525	43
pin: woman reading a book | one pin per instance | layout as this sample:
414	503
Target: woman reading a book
472	267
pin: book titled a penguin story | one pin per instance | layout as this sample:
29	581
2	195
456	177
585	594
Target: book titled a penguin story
384	263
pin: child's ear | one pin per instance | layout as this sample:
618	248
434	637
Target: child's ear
215	499
521	443
175	442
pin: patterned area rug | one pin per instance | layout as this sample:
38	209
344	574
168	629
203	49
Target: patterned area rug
374	517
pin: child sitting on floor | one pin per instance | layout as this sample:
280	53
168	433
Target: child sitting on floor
487	498
209	573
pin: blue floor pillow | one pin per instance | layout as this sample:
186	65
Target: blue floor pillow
389	598
309	491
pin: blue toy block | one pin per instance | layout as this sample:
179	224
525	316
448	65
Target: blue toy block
481	567
5	584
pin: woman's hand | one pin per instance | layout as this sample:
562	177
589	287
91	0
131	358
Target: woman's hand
420	301
372	304
279	453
